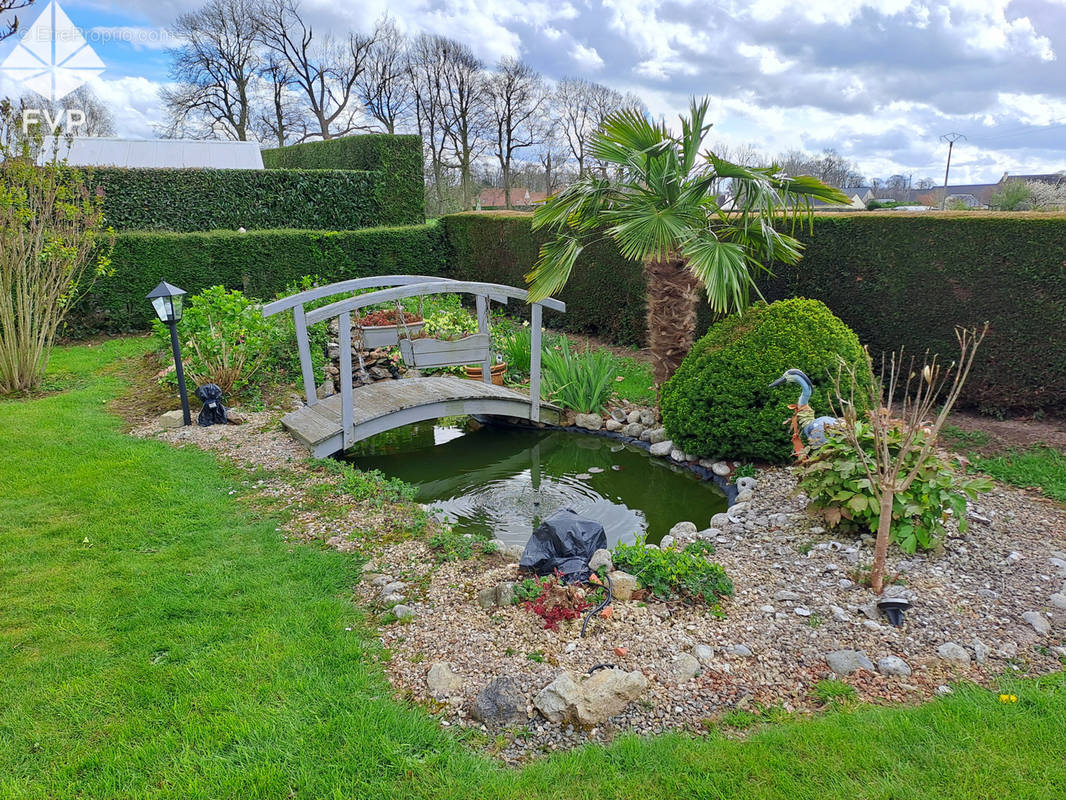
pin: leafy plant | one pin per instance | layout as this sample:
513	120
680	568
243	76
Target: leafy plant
668	573
377	488
451	545
54	244
581	381
556	602
744	471
527	590
833	692
226	340
836	483
516	349
450	324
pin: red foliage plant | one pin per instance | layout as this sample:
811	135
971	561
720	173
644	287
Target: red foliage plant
386	316
557	602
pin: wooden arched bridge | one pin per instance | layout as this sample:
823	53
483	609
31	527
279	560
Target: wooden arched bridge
328	426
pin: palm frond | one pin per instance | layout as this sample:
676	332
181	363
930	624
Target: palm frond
554	265
722	268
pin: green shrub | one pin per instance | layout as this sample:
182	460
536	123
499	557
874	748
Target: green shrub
718	404
398	193
582	381
260	263
225	340
451	545
450	324
184	200
670	573
835	481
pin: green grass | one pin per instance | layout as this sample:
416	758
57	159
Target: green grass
1038	466
158	638
638	380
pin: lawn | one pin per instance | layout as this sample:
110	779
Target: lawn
159	638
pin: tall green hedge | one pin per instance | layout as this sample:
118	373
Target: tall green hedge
399	193
605	295
184	200
894	279
261	263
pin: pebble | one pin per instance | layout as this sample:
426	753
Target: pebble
787	595
844	662
741	650
944	691
893	665
801	611
720	468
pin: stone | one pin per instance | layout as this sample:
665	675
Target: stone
511	552
801	611
647	417
602	695
719	521
622	585
683	529
1038	621
844	662
633	430
741	650
595	470
380	580
645	435
486	598
325	389
590	422
601	558
746	484
893	665
684	668
613	425
703	653
442	681
767	609
171	420
787	595
943	690
720	468
666	542
633	417
981	651
234	417
950	651
392	599
660	449
657	435
676	455
505	593
403	612
745	496
393	588
839	614
1058	600
500	703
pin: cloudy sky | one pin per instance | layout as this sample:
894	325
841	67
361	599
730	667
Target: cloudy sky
879	80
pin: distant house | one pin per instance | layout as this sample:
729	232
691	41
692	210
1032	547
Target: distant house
156	153
858	197
971	195
521	197
1050	178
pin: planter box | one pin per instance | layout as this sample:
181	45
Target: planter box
387	335
430	353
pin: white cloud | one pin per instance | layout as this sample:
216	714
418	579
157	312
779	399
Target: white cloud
586	57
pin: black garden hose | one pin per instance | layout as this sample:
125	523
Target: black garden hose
606	602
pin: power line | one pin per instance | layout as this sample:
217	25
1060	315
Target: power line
950	138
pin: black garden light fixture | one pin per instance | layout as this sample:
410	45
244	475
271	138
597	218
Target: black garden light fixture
166	300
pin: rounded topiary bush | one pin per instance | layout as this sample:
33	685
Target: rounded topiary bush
719	405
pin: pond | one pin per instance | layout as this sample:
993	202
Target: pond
502	480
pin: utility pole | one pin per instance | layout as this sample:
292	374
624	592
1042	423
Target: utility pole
950	138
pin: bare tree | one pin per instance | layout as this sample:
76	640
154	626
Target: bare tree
385	87
552	148
279	116
214	70
516	96
905	422
425	66
324	70
576	104
6	6
98	119
464	111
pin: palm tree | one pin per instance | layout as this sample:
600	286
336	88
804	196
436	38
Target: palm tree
663	208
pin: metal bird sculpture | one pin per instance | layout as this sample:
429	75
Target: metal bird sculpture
803	420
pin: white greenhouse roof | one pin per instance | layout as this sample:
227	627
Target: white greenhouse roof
173	153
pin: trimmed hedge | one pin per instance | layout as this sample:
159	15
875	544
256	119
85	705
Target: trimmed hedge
895	279
260	263
605	295
185	200
399	194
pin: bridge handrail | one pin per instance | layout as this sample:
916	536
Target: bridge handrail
354	285
434	286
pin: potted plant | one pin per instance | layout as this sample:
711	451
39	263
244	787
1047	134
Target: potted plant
382	328
498	371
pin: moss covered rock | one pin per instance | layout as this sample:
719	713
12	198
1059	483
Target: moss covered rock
719	404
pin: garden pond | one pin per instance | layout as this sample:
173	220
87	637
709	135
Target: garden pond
501	480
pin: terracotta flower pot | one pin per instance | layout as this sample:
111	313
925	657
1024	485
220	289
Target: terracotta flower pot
498	370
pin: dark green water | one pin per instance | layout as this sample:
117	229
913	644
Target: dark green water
502	480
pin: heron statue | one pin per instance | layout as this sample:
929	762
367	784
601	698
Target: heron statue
803	420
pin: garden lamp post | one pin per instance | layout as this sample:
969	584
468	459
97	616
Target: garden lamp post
166	300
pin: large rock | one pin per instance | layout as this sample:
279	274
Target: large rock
172	419
703	653
684	668
633	430
613	425
622	585
601	558
661	449
656	435
1038	621
950	651
1058	600
442	681
591	701
844	662
683	529
590	422
486	598
633	417
505	593
893	665
500	703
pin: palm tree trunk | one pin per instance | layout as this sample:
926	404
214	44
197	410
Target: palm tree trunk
672	294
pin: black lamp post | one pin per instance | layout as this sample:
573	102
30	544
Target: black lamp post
166	300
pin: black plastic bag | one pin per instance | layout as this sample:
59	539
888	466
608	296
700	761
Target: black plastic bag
213	412
564	542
